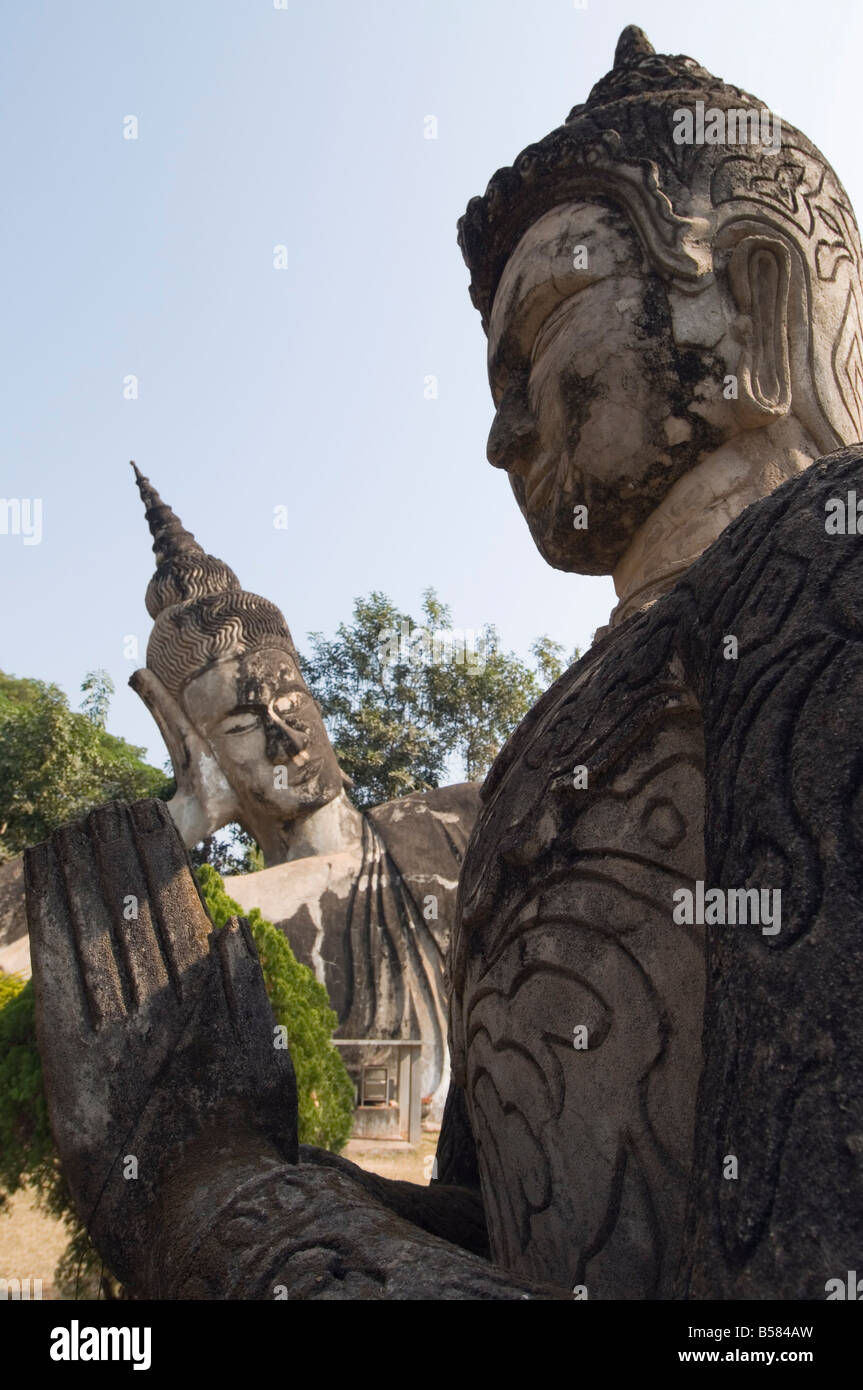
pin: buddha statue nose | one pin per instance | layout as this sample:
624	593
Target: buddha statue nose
512	440
285	734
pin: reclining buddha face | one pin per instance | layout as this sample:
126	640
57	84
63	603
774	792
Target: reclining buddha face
266	732
596	404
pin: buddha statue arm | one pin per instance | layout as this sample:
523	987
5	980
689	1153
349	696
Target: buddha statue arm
773	639
174	1114
237	1222
204	800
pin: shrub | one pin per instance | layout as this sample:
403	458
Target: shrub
299	1002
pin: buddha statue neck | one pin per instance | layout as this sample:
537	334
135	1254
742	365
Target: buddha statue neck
701	505
331	829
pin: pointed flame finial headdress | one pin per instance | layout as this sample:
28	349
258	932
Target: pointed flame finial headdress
201	613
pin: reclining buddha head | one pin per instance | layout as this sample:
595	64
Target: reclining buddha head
223	681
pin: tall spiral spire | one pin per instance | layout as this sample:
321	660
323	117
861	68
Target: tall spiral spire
170	537
184	570
632	46
201	612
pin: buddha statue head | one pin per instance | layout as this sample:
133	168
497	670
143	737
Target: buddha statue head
223	683
670	287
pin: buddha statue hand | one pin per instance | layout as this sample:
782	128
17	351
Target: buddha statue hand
204	800
154	1028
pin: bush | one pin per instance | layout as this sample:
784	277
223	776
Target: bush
299	1002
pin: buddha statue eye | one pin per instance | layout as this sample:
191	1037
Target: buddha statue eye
241	721
550	329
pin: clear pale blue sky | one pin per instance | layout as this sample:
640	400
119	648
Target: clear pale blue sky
301	387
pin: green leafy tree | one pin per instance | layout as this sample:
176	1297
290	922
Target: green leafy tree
98	689
374	709
56	763
403	699
27	1153
550	660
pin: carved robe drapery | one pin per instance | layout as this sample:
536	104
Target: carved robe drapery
374	923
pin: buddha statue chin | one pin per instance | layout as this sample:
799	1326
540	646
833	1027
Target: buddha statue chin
674	341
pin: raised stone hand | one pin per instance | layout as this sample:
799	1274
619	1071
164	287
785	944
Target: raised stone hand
154	1028
175	1115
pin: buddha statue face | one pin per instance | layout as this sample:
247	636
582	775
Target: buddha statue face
222	680
596	404
673	329
266	732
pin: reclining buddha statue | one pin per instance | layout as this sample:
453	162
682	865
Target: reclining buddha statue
365	898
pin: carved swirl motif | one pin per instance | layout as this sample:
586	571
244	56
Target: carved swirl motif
565	919
566	923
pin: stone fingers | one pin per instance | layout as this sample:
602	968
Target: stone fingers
61	985
263	1071
113	908
72	920
175	904
125	889
244	983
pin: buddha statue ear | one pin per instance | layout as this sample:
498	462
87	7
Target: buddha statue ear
759	272
204	800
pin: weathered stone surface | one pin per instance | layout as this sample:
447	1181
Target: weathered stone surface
566	919
13	917
782	1086
566	925
623	278
673	333
157	1041
235	1222
153	1029
223	683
